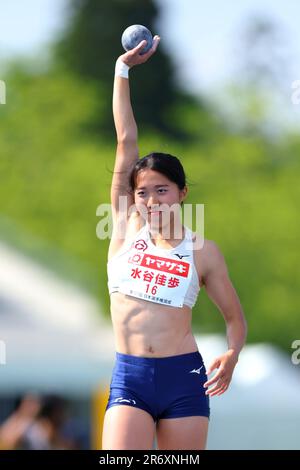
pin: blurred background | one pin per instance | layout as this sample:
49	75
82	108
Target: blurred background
223	94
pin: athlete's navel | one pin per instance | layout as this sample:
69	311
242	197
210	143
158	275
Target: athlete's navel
150	350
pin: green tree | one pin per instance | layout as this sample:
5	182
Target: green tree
90	45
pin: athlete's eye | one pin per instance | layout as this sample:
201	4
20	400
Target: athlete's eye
141	193
162	190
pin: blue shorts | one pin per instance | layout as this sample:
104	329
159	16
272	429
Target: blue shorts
165	387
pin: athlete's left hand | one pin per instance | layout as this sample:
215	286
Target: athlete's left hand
225	365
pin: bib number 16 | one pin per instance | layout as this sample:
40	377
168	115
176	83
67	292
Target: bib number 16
153	289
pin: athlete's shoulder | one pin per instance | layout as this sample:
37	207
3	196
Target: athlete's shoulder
211	248
209	256
123	235
207	247
135	222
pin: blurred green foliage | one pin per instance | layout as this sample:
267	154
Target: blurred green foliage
54	175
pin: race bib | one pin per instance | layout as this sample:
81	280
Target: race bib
163	280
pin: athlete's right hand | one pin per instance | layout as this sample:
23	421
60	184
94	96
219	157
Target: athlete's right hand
133	57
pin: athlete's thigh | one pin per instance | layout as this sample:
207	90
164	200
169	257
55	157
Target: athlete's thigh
126	427
189	432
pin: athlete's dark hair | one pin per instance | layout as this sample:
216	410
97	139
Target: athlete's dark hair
163	163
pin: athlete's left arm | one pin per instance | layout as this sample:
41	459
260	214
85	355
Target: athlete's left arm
221	291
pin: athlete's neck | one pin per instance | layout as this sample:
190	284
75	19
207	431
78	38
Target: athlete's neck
164	237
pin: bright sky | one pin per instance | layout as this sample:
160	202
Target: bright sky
26	25
202	37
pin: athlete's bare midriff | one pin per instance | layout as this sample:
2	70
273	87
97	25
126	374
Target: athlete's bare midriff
147	329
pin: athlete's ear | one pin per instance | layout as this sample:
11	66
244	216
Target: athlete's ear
183	193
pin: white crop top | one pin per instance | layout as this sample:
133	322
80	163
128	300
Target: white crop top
164	276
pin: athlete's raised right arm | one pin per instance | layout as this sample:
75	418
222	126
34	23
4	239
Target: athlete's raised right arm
126	128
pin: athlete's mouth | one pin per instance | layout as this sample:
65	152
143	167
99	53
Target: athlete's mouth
155	215
155	210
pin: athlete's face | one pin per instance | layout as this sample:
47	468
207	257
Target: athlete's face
155	194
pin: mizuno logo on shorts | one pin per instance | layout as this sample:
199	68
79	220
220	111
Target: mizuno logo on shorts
196	371
125	400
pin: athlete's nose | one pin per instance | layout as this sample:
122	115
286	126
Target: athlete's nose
152	203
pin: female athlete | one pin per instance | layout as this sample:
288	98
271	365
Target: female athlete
156	266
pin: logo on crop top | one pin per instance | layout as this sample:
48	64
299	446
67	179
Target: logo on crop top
181	256
141	245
